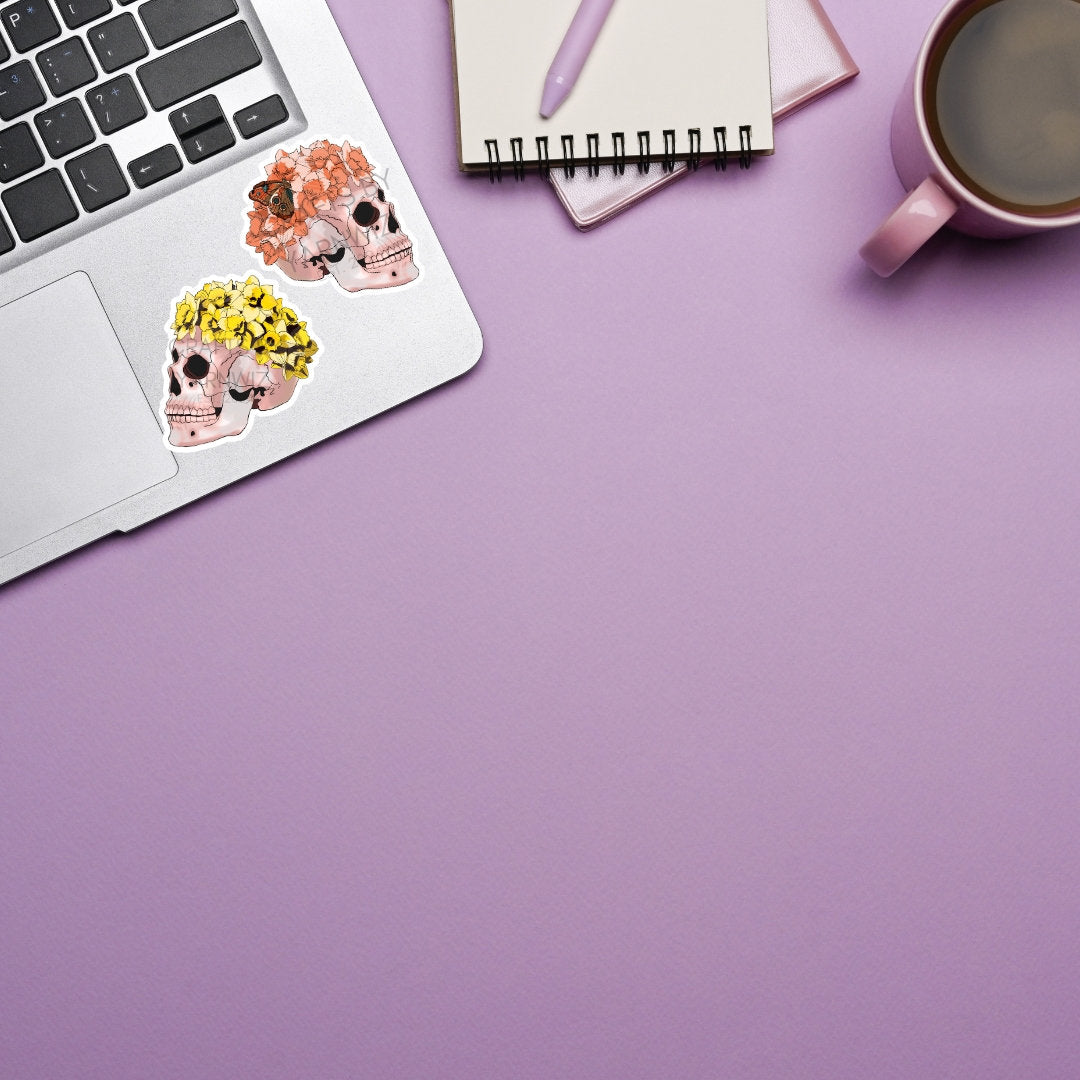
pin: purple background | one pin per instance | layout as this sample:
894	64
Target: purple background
690	691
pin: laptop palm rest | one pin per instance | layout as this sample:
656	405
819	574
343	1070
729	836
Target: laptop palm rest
77	434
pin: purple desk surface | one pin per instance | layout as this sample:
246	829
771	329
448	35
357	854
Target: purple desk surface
689	692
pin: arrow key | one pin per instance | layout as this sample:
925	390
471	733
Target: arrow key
97	178
261	116
196	115
155	166
208	141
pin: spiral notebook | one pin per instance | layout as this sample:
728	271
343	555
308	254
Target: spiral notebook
665	82
807	59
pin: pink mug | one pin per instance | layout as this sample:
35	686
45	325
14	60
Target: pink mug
936	195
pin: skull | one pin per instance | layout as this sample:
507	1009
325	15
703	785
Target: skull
322	213
236	348
212	390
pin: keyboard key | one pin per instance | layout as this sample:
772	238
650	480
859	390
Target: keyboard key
19	153
7	241
208	141
66	66
118	42
97	178
5	52
202	129
78	13
19	90
168	22
30	23
195	115
261	116
115	104
155	166
39	205
64	128
199	65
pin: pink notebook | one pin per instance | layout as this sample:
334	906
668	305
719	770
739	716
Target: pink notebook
807	59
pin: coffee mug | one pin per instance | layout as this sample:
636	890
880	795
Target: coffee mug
986	132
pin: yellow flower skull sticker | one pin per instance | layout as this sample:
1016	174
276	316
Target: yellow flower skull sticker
236	350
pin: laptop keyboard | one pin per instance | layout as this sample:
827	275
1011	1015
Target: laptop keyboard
74	73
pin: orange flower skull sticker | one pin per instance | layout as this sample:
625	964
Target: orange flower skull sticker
322	212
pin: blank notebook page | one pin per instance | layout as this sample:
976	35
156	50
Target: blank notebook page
656	66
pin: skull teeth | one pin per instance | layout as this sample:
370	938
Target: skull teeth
175	413
390	254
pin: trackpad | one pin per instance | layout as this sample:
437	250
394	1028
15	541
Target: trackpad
77	434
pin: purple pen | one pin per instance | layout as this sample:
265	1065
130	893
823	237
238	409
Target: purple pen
572	54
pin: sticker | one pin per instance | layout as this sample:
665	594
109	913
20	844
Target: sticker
323	212
237	351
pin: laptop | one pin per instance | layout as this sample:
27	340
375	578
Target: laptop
211	258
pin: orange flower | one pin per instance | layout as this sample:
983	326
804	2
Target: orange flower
339	177
305	205
319	155
281	172
318	175
357	163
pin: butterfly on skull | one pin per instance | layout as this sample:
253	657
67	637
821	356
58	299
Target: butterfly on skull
276	196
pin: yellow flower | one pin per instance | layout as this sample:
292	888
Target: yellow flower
259	296
294	368
247	315
231	311
231	327
213	294
186	312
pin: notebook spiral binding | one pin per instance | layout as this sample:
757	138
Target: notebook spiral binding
644	159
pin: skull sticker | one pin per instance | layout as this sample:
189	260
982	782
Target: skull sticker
322	212
236	350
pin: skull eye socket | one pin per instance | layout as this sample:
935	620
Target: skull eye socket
366	214
175	356
329	257
196	366
382	195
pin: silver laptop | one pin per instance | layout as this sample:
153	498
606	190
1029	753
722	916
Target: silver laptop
210	258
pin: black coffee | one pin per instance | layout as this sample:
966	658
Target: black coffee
1003	103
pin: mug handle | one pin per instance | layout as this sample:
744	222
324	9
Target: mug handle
909	226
